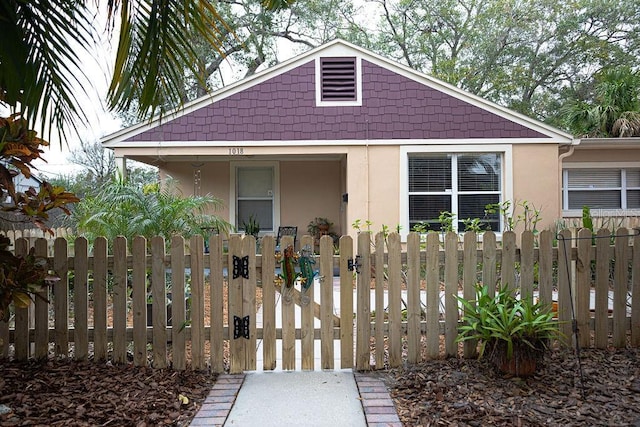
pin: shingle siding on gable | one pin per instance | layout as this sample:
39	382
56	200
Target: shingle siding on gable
283	108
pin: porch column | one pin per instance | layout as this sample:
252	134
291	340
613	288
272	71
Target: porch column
121	166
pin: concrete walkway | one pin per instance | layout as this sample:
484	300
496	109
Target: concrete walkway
310	398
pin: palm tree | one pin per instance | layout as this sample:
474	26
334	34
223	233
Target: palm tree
614	110
38	62
122	208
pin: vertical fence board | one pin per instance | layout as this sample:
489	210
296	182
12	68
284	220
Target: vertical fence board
635	292
288	317
451	290
41	350
469	273
545	266
80	299
139	299
526	264
196	250
21	341
583	287
413	298
249	301
379	280
178	308
236	347
269	303
508	262
602	288
346	304
620	287
326	303
100	272
61	298
564	284
363	314
433	295
119	299
395	300
306	307
489	258
217	303
159	307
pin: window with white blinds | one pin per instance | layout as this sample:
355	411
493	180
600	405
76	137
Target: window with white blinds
610	188
463	184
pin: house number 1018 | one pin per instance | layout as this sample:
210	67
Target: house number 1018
234	151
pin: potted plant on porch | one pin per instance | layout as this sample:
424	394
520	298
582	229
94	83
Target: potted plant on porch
512	332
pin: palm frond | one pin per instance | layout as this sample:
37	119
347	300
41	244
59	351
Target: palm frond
39	64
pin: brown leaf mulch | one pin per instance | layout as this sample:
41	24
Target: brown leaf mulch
89	394
469	392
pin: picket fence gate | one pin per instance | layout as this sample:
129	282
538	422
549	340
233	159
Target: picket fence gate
595	277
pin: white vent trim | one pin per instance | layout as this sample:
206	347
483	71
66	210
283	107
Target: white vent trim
357	102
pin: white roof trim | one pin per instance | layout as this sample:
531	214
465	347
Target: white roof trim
335	48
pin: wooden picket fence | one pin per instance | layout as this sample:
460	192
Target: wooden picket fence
105	314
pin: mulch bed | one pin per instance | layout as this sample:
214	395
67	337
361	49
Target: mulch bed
470	392
58	393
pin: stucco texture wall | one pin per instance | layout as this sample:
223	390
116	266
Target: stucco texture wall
536	179
214	180
310	189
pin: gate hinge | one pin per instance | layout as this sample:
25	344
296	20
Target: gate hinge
241	267
240	327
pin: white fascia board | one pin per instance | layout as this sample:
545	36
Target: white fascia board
340	142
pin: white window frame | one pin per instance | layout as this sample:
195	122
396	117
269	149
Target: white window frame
621	166
276	190
505	150
356	103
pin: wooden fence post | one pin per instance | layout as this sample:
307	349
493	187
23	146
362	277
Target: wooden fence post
451	290
413	298
379	280
178	309
307	327
620	284
139	297
61	298
217	303
583	287
469	278
120	299
21	341
80	299
363	289
42	309
100	274
395	300
433	295
346	303
326	303
603	258
236	347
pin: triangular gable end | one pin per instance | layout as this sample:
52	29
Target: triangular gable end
396	103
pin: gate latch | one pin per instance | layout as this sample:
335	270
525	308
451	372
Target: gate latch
354	264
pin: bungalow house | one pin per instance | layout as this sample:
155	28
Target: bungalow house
342	133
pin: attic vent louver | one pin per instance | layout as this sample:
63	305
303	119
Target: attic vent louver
338	79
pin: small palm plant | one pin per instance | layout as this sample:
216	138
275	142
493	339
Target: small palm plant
512	332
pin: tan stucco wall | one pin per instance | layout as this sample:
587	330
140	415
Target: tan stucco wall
373	175
310	189
214	178
536	179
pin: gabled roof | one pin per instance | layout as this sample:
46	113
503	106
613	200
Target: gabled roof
277	105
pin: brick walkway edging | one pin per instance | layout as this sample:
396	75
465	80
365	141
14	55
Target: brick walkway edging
379	410
378	407
219	401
